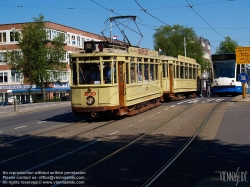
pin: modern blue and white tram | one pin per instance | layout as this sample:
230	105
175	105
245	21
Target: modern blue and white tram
225	73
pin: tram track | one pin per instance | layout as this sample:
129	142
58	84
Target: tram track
181	150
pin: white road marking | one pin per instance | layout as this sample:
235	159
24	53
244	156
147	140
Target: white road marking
151	116
41	122
194	101
158	112
173	106
180	103
165	108
20	127
130	126
114	133
219	100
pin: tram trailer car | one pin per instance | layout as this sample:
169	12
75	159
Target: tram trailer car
123	81
181	77
225	73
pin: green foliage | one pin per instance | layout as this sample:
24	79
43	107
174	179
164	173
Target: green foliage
171	41
39	58
227	46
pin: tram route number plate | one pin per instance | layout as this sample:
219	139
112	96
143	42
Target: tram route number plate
242	55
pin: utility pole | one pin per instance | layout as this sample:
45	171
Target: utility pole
185	50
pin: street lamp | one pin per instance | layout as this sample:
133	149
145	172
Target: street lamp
185	49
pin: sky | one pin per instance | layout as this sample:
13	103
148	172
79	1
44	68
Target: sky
211	19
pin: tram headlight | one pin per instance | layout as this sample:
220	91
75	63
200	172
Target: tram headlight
90	100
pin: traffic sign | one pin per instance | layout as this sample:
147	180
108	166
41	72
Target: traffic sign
243	77
242	55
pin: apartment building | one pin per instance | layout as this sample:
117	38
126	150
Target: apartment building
12	84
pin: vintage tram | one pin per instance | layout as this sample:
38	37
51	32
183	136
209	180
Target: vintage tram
125	80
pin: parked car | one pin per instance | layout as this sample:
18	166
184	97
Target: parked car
5	103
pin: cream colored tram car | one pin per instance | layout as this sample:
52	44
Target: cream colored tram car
135	84
180	77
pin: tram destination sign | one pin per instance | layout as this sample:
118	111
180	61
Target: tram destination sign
242	55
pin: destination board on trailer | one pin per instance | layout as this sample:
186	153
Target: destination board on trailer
242	55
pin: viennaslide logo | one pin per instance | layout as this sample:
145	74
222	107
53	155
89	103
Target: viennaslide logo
233	176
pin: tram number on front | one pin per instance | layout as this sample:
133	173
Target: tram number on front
89	93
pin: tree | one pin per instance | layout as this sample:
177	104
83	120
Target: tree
172	40
227	46
39	59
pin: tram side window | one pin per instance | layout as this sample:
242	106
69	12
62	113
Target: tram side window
177	71
146	72
194	73
163	70
127	73
152	72
182	72
156	72
186	72
190	72
139	73
74	74
132	72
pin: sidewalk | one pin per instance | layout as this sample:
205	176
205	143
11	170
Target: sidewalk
239	98
226	162
6	111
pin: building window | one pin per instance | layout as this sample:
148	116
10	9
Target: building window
2	36
73	38
3	77
68	38
15	77
78	41
13	36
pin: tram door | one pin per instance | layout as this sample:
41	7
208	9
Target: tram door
171	77
121	83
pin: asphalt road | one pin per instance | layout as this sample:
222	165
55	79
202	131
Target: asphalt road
38	119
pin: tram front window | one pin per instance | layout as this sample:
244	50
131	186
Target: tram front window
224	69
84	73
109	73
89	73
